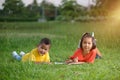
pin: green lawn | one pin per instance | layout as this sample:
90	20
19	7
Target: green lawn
24	36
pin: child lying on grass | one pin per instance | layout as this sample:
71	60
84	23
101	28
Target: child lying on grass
87	51
37	55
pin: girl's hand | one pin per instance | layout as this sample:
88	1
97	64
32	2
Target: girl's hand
68	61
75	60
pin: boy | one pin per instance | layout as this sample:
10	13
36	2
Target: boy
37	55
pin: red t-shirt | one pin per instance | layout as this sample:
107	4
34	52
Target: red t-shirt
90	57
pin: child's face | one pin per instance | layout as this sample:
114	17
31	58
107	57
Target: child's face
43	48
87	44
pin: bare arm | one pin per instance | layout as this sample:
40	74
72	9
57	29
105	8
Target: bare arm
98	52
76	63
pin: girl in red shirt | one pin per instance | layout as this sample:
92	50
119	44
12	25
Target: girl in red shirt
87	51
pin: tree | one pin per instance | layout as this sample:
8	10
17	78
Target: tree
71	10
13	7
47	10
104	7
32	10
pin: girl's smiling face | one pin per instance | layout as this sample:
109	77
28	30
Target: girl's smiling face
87	44
43	48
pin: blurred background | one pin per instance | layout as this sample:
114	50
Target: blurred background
60	10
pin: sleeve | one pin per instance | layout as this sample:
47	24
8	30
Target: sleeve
47	57
75	55
91	57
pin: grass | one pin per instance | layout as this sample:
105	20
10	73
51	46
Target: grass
24	36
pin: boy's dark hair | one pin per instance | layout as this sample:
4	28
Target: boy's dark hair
93	40
45	41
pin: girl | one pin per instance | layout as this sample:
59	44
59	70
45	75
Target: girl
98	55
87	51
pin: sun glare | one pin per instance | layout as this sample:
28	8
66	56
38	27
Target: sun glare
114	17
115	14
